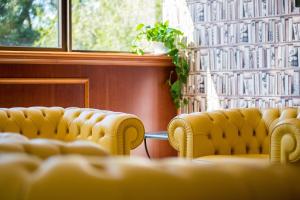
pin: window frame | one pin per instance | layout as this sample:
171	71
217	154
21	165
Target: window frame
64	33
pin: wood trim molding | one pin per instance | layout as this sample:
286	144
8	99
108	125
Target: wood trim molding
82	58
55	81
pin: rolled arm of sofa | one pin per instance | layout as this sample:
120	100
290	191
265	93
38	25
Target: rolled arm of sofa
119	133
178	131
285	142
116	132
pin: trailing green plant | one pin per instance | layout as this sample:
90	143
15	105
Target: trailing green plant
173	40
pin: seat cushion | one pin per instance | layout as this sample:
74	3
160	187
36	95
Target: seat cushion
256	159
44	148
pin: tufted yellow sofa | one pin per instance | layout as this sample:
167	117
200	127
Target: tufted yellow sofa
80	178
238	134
116	133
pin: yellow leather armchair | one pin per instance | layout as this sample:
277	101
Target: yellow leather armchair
115	132
238	133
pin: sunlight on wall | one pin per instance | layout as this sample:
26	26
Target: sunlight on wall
213	100
179	16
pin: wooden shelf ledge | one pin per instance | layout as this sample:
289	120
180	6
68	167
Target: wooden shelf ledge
84	58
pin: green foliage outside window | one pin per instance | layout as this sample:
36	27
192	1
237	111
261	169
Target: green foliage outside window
109	25
29	23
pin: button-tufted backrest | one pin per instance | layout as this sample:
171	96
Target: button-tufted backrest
235	131
33	122
78	123
52	122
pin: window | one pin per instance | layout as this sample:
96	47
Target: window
108	25
30	23
96	25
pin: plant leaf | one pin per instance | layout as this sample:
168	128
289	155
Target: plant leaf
139	27
140	52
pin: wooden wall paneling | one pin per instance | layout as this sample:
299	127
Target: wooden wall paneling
51	81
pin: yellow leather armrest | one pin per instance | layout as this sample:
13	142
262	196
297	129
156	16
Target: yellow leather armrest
285	142
119	132
116	132
181	131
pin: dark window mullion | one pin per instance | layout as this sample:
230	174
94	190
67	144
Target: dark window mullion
69	24
63	13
